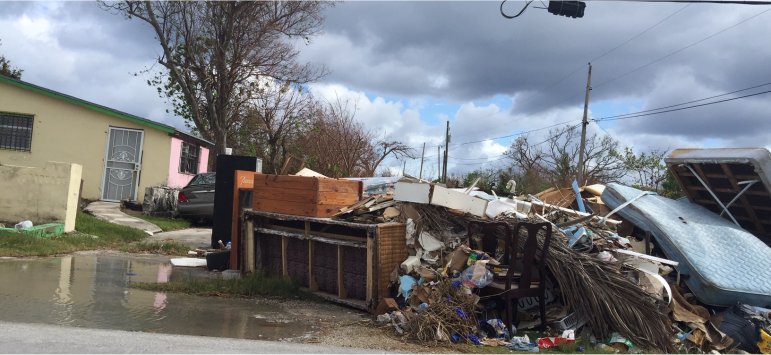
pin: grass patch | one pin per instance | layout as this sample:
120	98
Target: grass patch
252	285
91	234
169	247
165	224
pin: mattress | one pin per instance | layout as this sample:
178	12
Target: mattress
728	173
723	263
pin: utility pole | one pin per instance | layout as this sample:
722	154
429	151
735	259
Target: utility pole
584	123
422	156
446	148
438	163
404	167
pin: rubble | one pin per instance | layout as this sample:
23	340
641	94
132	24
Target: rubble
603	288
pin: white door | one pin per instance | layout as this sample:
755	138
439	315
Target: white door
122	164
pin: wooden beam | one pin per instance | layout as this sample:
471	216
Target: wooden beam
371	293
249	247
341	292
312	285
284	256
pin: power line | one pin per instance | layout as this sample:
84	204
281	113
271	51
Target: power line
615	48
681	49
504	156
514	134
681	104
567	98
679	109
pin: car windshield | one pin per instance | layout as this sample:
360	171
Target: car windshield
203	179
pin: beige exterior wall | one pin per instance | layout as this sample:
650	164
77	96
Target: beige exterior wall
67	132
41	195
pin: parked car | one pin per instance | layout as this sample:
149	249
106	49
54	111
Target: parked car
195	201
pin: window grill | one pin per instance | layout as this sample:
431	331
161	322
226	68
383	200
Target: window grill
188	162
16	131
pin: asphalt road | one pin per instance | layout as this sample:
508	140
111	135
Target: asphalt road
42	338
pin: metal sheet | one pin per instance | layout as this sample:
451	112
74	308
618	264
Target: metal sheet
726	172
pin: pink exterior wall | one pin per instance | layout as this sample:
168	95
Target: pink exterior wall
177	179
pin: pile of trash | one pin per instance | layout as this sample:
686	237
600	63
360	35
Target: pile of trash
608	286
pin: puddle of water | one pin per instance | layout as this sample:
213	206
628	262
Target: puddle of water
92	291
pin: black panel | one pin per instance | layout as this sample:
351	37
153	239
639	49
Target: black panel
223	195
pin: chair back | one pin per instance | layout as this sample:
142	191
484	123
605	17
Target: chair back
533	258
491	234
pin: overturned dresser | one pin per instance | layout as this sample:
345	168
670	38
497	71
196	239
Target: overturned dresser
344	262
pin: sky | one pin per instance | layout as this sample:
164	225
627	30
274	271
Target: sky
410	67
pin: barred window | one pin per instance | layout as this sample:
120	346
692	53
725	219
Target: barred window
188	162
16	131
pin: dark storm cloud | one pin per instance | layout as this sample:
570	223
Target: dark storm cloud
467	51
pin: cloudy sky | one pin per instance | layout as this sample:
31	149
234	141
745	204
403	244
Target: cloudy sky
412	66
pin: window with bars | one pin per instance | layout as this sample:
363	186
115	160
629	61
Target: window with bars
16	131
188	162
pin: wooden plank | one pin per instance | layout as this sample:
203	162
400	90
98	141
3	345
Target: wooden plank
312	285
243	179
281	194
295	208
285	256
312	233
341	292
370	287
249	247
286	181
251	213
291	208
351	187
300	236
337	198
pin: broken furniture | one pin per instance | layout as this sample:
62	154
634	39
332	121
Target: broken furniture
725	263
348	263
531	281
303	195
490	234
732	182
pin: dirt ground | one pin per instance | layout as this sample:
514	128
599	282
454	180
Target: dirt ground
341	326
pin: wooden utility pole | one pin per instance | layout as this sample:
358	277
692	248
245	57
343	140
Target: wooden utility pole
446	148
438	163
422	156
584	123
404	167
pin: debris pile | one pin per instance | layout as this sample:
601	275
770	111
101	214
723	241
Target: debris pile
608	283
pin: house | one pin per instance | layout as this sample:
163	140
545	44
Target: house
121	154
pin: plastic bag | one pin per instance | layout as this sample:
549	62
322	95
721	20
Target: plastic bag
23	224
477	275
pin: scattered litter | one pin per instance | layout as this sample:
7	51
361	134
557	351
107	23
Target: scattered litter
23	225
188	262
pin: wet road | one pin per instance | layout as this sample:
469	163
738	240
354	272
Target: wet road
43	338
89	292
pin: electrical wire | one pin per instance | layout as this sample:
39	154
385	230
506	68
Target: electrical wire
679	50
684	103
611	118
615	48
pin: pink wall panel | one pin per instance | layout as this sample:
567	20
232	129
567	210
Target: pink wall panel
177	179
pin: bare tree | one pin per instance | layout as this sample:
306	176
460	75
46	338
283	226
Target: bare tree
555	160
279	114
382	150
337	145
212	53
